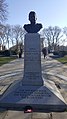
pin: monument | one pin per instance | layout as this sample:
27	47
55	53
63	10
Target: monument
33	92
32	50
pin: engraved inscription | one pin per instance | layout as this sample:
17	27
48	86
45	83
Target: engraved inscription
32	60
39	94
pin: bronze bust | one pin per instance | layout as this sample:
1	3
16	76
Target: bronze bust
33	27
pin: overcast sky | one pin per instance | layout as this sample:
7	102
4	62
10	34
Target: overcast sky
49	12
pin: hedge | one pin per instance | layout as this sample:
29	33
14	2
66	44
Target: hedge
5	53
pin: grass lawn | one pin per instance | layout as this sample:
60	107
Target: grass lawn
4	60
63	60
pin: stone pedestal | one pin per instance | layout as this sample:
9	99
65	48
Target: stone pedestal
32	60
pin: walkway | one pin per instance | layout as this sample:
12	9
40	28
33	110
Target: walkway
57	72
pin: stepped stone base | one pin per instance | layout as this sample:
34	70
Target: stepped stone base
44	98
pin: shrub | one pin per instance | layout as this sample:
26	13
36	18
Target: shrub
5	53
12	52
56	53
62	53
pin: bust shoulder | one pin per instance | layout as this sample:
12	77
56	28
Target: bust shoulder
32	28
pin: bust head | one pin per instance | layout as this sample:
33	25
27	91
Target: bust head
32	17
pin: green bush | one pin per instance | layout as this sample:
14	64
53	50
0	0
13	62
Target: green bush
5	53
12	52
62	53
56	53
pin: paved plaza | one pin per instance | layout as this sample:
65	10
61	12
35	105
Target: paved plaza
51	70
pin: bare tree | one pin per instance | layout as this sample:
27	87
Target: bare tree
17	34
3	10
65	31
3	17
12	35
1	28
2	35
47	34
55	34
8	34
22	33
52	35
